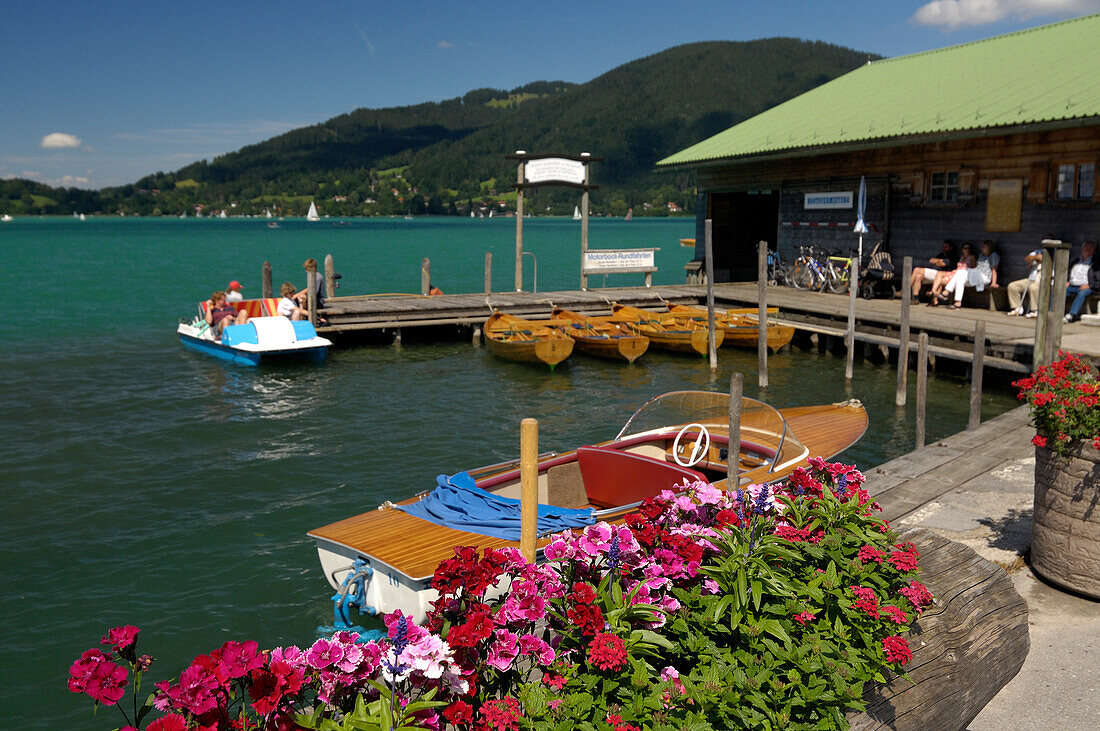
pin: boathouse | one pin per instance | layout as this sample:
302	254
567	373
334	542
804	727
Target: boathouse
997	139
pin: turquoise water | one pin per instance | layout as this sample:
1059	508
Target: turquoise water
149	485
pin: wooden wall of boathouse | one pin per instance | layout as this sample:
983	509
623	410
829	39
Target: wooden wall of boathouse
900	208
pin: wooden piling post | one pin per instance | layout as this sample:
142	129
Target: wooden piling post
488	272
477	337
733	450
762	317
529	486
903	333
1042	307
265	281
1058	301
311	291
519	221
850	335
425	275
330	277
976	368
708	249
922	385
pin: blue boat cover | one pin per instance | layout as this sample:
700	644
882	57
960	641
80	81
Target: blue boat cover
457	503
303	330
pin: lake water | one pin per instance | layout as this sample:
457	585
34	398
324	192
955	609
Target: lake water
144	484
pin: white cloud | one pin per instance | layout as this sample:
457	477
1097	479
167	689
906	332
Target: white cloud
33	174
59	140
75	181
953	14
445	44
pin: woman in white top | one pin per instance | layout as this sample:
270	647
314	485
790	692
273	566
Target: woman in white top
288	307
980	276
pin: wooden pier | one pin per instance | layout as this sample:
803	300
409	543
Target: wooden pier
816	315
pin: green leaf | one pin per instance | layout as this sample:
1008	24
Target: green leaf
756	590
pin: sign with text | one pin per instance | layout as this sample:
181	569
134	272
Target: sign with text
818	201
554	170
618	260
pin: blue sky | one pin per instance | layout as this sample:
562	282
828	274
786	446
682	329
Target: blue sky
102	93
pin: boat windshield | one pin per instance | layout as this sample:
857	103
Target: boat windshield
761	424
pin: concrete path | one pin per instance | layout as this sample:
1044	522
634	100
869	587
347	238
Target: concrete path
990	511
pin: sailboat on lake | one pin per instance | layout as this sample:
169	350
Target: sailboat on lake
576	213
312	215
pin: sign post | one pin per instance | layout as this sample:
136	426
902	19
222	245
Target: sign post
552	169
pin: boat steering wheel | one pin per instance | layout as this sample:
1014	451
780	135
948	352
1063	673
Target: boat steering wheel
700	448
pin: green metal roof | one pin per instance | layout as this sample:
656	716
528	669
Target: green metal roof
1041	75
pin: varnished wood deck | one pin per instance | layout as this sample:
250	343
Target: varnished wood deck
415	547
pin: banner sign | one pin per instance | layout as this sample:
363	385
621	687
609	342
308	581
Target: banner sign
818	201
554	170
618	260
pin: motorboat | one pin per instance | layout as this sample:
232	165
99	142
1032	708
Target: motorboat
390	553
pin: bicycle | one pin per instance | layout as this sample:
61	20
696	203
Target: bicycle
777	269
838	273
807	271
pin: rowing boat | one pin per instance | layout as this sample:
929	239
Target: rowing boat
741	327
667	332
599	337
396	548
525	341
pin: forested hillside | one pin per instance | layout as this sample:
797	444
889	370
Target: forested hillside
446	157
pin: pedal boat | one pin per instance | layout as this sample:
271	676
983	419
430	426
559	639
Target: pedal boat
525	341
263	339
395	553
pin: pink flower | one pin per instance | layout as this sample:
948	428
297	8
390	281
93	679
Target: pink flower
290	654
121	638
324	653
536	648
870	553
503	651
893	613
95	675
918	594
194	693
239	658
897	650
429	656
669	673
710	586
804	617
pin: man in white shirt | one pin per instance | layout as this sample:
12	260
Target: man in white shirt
1029	285
1084	279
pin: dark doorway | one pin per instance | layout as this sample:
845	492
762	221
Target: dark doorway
740	221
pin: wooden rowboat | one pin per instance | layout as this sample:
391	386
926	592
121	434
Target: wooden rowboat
741	327
395	553
525	341
599	337
678	334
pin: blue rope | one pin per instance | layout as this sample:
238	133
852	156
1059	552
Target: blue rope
352	594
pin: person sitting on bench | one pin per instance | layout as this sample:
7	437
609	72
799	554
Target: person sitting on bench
945	262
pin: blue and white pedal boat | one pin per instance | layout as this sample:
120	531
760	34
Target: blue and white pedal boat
261	339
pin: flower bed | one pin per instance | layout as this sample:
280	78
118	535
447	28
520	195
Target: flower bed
769	607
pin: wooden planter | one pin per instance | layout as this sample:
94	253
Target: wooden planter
1065	534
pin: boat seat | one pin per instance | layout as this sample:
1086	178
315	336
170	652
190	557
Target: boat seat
564	486
613	477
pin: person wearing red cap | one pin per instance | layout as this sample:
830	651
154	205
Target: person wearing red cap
233	292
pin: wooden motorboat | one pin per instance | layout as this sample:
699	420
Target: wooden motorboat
665	331
395	552
600	337
525	341
741	327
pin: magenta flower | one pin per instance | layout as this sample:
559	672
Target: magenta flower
536	648
95	675
121	638
238	659
324	653
194	693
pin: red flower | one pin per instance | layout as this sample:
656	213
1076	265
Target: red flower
897	649
607	652
870	553
588	618
557	682
904	560
459	713
583	593
1039	441
171	722
804	617
500	715
893	613
478	627
918	594
270	685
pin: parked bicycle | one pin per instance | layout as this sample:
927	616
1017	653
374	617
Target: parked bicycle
838	273
808	272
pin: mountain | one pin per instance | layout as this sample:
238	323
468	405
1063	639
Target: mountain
442	157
